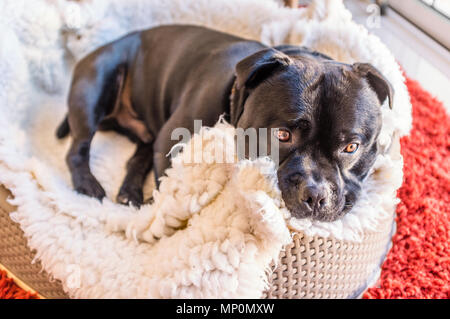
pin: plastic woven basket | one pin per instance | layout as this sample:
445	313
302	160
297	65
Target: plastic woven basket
316	267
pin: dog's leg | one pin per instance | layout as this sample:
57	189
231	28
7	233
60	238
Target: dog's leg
138	167
161	163
88	104
164	142
78	160
83	122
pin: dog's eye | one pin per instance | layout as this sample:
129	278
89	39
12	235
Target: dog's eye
283	134
351	148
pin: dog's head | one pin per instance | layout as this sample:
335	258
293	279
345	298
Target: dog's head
329	118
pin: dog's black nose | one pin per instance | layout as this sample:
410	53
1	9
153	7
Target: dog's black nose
314	196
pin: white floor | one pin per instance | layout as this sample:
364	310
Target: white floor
421	57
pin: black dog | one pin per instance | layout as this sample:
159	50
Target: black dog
149	82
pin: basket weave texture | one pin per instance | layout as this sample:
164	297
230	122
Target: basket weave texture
17	258
327	268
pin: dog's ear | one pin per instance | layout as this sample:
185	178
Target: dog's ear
377	81
250	72
258	66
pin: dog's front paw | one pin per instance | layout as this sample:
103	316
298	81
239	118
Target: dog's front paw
89	186
131	195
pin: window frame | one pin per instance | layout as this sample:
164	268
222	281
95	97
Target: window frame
428	19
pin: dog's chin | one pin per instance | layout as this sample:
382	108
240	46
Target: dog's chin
329	215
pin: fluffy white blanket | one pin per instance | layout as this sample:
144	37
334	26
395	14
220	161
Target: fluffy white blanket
219	225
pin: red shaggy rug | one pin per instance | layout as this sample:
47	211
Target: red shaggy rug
418	265
9	290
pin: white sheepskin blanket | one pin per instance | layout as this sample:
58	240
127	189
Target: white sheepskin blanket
220	226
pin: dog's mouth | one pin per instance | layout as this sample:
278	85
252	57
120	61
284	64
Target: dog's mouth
330	214
325	196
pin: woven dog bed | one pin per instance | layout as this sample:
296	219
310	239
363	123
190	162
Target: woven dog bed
311	267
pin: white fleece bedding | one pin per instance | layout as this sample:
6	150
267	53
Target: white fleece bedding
233	219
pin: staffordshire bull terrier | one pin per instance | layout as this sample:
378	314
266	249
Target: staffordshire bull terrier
147	83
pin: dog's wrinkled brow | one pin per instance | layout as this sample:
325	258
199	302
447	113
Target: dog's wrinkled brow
346	136
299	120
